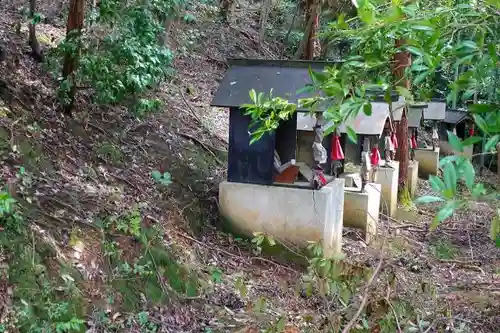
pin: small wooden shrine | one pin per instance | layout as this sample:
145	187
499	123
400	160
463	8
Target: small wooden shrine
458	121
272	160
417	113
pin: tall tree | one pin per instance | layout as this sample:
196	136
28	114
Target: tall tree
402	61
306	46
73	31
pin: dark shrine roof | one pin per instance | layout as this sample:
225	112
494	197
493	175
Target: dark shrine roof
285	77
456	116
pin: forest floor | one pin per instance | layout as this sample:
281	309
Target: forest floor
85	188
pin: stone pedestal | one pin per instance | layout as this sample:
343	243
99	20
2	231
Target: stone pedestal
290	214
428	161
412	177
361	209
387	177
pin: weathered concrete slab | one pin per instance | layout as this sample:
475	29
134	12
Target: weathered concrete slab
352	179
428	161
412	177
361	209
289	214
387	177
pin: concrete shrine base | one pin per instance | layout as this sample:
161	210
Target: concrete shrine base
294	215
387	177
361	209
428	161
412	177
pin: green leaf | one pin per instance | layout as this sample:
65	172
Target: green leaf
481	123
450	180
422	28
436	183
280	325
492	51
352	134
445	212
428	199
455	142
471	141
480	108
491	143
446	160
469	173
402	91
317	77
253	96
469	44
420	77
478	191
306	89
367	109
270	240
156	175
415	50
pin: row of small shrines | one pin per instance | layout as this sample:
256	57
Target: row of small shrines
282	156
299	158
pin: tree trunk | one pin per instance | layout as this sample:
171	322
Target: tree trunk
310	14
36	50
264	14
73	31
302	44
402	60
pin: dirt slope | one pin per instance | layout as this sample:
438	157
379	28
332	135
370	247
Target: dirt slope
82	171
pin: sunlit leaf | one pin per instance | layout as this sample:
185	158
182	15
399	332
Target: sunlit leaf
450	179
446	160
436	183
428	199
341	22
471	141
422	28
455	142
491	143
253	96
445	212
478	190
469	173
481	123
156	175
420	77
352	134
402	91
